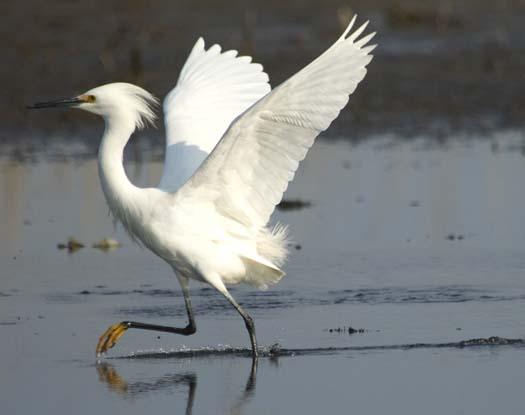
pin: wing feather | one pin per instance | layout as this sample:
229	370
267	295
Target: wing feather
249	170
212	90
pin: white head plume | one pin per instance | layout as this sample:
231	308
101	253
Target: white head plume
121	99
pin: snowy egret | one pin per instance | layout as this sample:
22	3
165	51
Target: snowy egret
232	147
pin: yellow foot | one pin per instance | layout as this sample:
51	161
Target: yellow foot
110	337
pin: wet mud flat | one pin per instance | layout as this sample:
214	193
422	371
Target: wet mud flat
440	66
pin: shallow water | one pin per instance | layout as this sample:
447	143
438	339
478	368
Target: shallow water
420	245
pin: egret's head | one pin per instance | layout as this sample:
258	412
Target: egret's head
118	100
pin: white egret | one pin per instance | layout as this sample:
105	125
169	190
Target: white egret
232	147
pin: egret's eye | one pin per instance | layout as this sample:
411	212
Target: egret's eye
87	99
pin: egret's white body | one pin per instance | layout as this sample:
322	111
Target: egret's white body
232	146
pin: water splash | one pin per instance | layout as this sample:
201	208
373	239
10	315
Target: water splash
275	350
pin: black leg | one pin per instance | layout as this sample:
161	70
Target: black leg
247	320
186	331
114	332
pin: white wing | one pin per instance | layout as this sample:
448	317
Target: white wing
248	171
213	88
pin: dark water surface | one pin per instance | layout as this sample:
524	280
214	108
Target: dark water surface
420	245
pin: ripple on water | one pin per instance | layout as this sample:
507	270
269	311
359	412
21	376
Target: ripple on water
207	300
420	295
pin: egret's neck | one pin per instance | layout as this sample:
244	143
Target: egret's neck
119	191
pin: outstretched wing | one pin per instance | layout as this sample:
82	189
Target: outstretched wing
213	88
248	171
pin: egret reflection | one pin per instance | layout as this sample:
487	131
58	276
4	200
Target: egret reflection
109	375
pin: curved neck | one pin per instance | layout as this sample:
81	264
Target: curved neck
119	191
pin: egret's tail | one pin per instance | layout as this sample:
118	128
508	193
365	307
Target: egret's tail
260	273
272	244
263	270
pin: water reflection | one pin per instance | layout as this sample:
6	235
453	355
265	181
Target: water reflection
248	392
109	375
235	402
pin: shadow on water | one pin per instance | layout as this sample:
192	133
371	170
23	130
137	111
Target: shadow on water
109	375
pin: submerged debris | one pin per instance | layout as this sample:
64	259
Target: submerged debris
72	245
294	204
453	237
107	244
344	329
295	246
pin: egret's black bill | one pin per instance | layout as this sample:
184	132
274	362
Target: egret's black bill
70	102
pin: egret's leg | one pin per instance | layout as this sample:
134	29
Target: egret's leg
247	319
116	331
187	301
